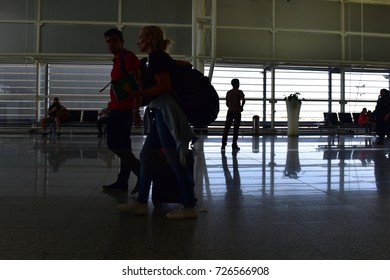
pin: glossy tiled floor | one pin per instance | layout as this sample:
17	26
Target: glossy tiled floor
318	197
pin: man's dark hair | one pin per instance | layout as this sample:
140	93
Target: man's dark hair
384	91
112	32
235	83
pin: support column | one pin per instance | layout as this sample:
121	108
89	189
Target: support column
204	32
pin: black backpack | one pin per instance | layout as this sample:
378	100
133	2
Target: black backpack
196	95
192	90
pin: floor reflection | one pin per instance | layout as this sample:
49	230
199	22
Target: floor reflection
381	158
293	165
308	197
275	165
265	165
59	150
232	181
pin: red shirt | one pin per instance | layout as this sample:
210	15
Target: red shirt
363	119
117	72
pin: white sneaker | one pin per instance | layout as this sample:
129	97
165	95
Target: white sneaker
134	207
182	214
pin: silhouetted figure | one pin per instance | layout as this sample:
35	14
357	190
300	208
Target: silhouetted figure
123	113
364	120
167	127
235	100
382	116
55	114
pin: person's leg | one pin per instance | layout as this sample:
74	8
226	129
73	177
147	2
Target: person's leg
237	122
44	125
58	125
148	157
228	123
119	142
367	128
386	125
184	177
380	131
49	121
99	125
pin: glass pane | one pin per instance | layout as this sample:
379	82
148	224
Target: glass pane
17	93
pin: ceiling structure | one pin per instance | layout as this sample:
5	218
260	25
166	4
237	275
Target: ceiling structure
318	32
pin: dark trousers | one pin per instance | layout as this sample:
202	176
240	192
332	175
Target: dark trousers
235	119
382	127
118	129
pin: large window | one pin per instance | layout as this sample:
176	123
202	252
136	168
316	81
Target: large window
18	89
78	86
26	89
321	90
251	83
313	86
362	88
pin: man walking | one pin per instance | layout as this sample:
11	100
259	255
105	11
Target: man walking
123	111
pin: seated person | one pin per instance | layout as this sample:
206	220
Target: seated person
55	114
364	120
102	119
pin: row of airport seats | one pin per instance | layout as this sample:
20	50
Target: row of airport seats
341	118
82	117
347	122
82	121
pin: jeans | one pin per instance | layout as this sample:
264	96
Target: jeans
160	137
230	117
118	129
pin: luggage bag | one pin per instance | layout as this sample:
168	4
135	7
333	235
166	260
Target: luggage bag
165	188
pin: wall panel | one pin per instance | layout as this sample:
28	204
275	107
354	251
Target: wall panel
157	12
317	30
17	9
244	43
253	13
85	10
307	46
57	38
17	38
303	14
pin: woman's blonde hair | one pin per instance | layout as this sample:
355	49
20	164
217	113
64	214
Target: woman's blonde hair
157	36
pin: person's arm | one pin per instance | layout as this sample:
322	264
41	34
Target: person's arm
183	63
162	86
242	101
51	109
137	101
227	100
103	111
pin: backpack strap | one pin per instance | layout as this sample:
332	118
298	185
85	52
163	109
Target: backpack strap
122	63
